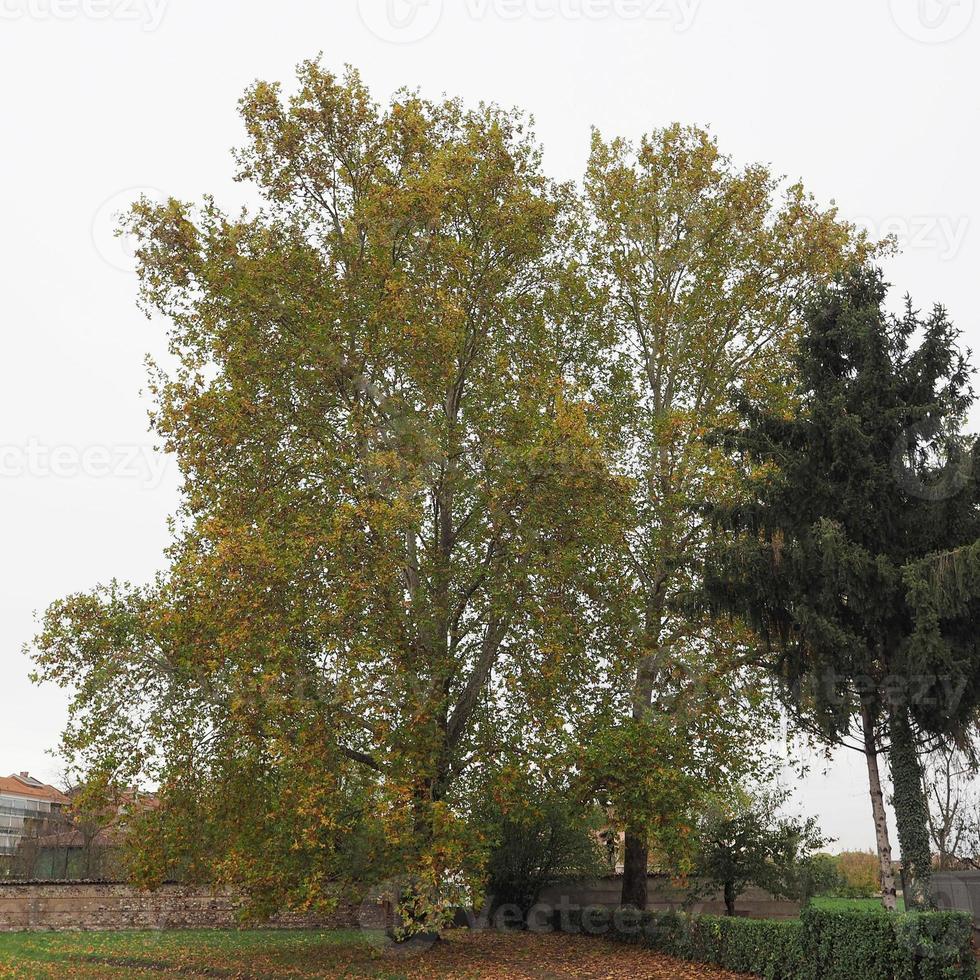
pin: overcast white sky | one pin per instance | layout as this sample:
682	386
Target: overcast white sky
872	103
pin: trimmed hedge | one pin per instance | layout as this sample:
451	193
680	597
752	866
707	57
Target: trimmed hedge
912	946
852	945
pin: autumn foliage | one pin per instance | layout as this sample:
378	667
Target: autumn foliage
443	427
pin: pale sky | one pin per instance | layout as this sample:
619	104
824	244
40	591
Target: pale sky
871	103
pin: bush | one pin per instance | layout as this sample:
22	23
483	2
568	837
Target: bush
852	945
849	944
545	840
769	948
821	876
860	873
931	946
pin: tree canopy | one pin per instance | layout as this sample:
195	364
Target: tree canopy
700	270
445	428
392	487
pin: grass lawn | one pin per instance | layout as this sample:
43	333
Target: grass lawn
252	955
848	904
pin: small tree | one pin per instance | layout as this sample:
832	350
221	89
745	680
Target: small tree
538	837
749	843
951	796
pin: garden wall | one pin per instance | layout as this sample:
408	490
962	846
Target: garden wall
83	906
959	890
662	895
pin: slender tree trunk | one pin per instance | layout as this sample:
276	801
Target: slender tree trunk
730	898
911	812
885	873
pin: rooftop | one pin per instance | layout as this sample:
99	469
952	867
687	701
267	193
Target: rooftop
24	784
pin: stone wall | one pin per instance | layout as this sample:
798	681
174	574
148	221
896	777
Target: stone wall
67	906
662	894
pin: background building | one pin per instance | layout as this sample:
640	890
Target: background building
24	803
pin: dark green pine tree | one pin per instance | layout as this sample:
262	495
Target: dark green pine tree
832	555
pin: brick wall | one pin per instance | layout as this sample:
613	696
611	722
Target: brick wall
87	907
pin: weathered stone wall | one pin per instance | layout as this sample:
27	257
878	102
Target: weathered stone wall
67	906
662	894
89	907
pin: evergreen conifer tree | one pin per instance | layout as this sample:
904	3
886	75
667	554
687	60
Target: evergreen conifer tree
832	556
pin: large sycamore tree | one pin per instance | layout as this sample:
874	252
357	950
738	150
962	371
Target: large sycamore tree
392	487
699	269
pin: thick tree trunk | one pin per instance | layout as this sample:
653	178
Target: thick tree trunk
885	873
635	858
635	870
730	898
911	812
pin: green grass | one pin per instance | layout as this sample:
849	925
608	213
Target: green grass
220	954
850	904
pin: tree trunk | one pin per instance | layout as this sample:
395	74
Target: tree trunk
885	873
730	898
635	858
911	812
635	870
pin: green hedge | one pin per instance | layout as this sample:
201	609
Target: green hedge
851	945
878	946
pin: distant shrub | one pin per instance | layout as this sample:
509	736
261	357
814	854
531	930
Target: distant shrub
821	876
859	873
